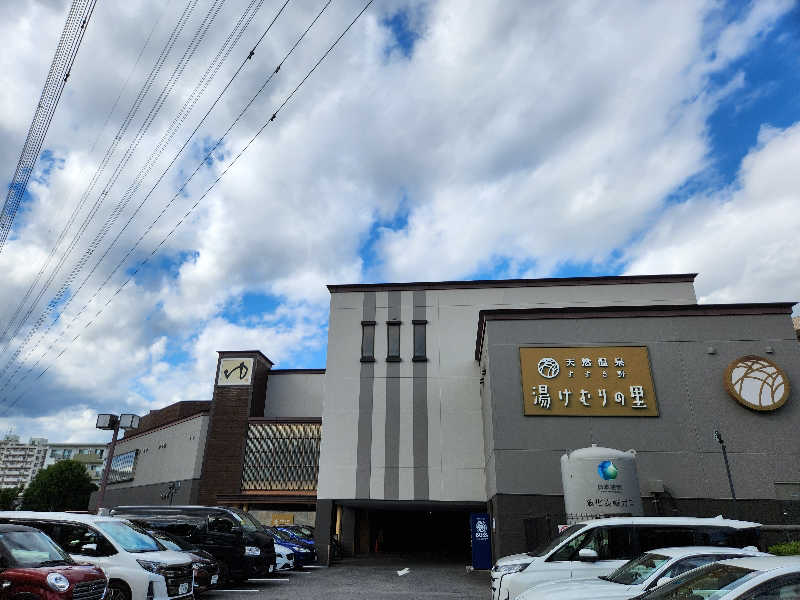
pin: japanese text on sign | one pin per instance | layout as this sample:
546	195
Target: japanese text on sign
588	381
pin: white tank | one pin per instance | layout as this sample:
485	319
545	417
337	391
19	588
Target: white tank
600	482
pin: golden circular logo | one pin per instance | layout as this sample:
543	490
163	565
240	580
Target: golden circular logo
757	383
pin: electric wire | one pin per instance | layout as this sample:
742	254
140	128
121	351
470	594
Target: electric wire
56	301
102	130
233	38
36	132
109	153
58	74
191	209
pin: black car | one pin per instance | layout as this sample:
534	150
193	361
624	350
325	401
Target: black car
233	537
205	569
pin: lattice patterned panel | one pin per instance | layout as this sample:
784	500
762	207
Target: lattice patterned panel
282	456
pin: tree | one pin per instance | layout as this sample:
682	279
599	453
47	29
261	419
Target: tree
63	486
7	497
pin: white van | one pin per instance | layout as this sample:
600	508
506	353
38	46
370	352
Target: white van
137	566
598	547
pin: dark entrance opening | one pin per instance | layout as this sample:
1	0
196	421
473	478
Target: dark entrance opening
432	533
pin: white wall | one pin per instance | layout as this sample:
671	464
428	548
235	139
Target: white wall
171	453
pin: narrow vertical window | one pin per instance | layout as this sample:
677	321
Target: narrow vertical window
367	341
420	354
392	341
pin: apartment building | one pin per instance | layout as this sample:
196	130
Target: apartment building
91	456
19	462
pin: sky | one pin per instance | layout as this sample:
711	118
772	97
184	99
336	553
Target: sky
439	140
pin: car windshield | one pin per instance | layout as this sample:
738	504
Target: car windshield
637	570
129	538
709	583
171	543
304	531
546	547
26	549
247	522
281	535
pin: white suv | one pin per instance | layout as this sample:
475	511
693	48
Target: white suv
597	547
137	566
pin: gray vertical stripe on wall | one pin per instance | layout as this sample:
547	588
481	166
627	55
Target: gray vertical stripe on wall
364	443
420	412
391	480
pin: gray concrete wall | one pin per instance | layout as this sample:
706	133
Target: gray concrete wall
147	494
294	394
171	453
396	431
678	446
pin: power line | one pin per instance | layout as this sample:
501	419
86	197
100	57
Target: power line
60	68
191	209
46	263
222	54
188	54
110	151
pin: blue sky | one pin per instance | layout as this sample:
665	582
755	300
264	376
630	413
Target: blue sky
511	140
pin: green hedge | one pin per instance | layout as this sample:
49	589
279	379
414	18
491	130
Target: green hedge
785	549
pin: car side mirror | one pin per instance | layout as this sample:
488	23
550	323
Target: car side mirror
587	555
663	580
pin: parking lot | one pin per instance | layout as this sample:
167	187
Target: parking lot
366	578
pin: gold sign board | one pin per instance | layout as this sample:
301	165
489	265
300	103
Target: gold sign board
612	381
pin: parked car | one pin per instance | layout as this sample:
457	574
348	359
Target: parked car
204	567
600	546
641	574
137	565
298	533
233	537
755	578
303	553
284	557
32	566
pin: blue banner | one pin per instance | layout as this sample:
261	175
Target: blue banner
481	541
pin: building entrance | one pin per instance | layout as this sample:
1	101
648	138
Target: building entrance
434	534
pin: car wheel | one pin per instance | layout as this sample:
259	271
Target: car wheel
118	591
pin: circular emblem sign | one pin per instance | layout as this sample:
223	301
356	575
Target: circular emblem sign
548	367
757	383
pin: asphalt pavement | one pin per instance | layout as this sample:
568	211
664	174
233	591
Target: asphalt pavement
373	578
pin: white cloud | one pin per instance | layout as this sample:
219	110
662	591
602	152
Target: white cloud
533	134
742	239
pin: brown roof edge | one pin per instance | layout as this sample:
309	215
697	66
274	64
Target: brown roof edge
512	283
225	353
648	310
160	426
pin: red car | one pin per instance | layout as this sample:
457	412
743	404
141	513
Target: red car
33	566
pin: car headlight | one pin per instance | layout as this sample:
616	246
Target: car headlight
58	582
515	568
149	565
252	551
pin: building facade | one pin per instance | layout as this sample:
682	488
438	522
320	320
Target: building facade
441	399
91	456
19	462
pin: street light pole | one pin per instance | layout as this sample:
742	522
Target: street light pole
109	456
718	437
112	423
